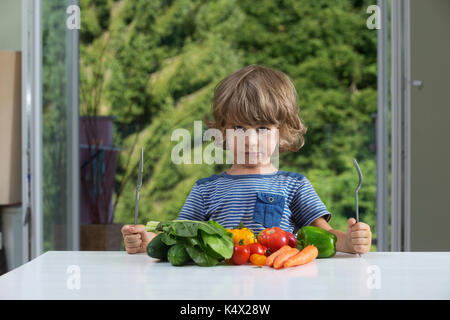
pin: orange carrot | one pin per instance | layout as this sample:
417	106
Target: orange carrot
308	254
279	261
270	259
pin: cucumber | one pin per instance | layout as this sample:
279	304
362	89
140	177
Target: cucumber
158	249
178	255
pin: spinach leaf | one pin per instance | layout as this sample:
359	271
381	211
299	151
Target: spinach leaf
206	248
191	241
221	245
211	253
216	224
209	228
168	239
200	257
187	228
182	228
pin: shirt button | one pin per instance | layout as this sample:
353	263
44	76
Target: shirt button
271	199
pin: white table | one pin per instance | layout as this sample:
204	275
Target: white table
118	275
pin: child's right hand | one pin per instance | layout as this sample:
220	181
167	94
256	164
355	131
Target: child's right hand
135	238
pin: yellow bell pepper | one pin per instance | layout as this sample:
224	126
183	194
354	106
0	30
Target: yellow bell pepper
242	236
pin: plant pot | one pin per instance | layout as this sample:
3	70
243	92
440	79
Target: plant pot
101	237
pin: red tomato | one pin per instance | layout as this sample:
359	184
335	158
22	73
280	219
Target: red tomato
292	239
257	248
273	238
241	254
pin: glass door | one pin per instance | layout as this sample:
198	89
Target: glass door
51	96
60	126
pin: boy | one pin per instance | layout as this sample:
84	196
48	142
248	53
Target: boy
255	110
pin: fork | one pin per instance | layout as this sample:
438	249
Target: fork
357	189
138	187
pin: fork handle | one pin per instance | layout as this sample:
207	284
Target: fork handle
136	207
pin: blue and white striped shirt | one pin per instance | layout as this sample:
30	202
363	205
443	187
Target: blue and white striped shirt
284	199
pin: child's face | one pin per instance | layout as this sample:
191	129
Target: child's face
252	146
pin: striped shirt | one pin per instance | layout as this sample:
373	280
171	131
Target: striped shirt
284	199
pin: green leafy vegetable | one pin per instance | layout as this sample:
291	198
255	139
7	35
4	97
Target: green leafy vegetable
216	224
200	257
207	243
222	245
168	239
183	229
191	241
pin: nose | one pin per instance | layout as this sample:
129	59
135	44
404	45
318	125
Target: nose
252	139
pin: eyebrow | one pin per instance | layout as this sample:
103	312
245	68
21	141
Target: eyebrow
257	126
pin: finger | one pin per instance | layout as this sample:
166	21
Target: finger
139	228
132	241
133	250
128	229
351	222
135	229
132	245
136	236
360	226
360	241
360	234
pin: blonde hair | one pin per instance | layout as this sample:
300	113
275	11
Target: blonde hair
257	95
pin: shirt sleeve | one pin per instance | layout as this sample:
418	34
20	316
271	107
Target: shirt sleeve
193	208
307	206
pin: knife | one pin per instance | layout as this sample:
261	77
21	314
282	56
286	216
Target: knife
357	189
138	187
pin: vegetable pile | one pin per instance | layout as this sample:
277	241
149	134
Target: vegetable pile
274	247
184	241
208	243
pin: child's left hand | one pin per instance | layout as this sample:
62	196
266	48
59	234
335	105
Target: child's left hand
358	237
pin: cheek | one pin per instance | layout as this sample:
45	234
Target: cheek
272	142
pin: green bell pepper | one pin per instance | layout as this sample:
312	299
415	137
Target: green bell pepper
324	240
